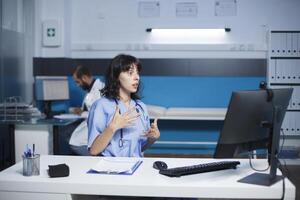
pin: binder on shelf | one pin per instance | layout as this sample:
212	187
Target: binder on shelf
287	71
289	43
297	97
298	44
275	44
293	104
278	71
297	124
272	65
294	71
291	71
296	68
115	167
294	44
292	123
284	66
283	46
285	124
284	71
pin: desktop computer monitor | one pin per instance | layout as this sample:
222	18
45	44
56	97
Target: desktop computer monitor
51	88
253	121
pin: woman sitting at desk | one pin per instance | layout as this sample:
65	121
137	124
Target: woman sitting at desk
118	123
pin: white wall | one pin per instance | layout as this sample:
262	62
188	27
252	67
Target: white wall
101	28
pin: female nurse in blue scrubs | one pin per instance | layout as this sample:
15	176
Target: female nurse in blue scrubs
118	123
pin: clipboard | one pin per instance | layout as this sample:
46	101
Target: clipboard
115	167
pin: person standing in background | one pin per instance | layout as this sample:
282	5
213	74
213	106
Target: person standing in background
84	79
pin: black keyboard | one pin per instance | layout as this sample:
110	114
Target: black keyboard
195	169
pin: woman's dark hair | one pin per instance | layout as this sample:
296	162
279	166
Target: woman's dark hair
120	63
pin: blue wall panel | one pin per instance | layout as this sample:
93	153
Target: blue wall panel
181	91
194	91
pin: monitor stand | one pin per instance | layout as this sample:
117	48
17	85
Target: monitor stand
260	179
268	179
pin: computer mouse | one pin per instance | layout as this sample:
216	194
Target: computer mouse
160	165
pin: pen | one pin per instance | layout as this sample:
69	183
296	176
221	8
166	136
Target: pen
112	172
28	153
33	149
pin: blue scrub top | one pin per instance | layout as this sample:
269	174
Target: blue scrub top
100	116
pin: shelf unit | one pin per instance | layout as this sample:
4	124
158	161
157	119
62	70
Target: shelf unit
284	71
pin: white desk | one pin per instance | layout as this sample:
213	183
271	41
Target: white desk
44	133
146	181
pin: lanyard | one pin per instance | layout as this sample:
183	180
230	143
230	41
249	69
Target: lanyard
121	141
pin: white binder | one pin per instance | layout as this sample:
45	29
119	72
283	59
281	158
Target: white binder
271	71
298	36
289	43
296	94
292	123
285	124
275	44
297	131
287	71
294	44
293	100
283	48
293	71
278	71
297	70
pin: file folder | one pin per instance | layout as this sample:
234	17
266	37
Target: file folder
115	167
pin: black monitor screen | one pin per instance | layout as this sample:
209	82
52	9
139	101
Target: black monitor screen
253	121
245	127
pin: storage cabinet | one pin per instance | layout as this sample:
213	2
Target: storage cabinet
284	71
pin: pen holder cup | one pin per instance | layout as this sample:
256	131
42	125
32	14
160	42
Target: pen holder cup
31	165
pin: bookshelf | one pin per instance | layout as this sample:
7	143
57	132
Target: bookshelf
283	70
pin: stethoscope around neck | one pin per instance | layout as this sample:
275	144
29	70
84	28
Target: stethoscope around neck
121	140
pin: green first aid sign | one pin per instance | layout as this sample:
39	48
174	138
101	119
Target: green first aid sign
50	32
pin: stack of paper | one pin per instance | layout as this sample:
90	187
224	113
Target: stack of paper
68	116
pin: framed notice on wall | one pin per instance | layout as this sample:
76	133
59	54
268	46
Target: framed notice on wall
225	8
186	9
149	9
